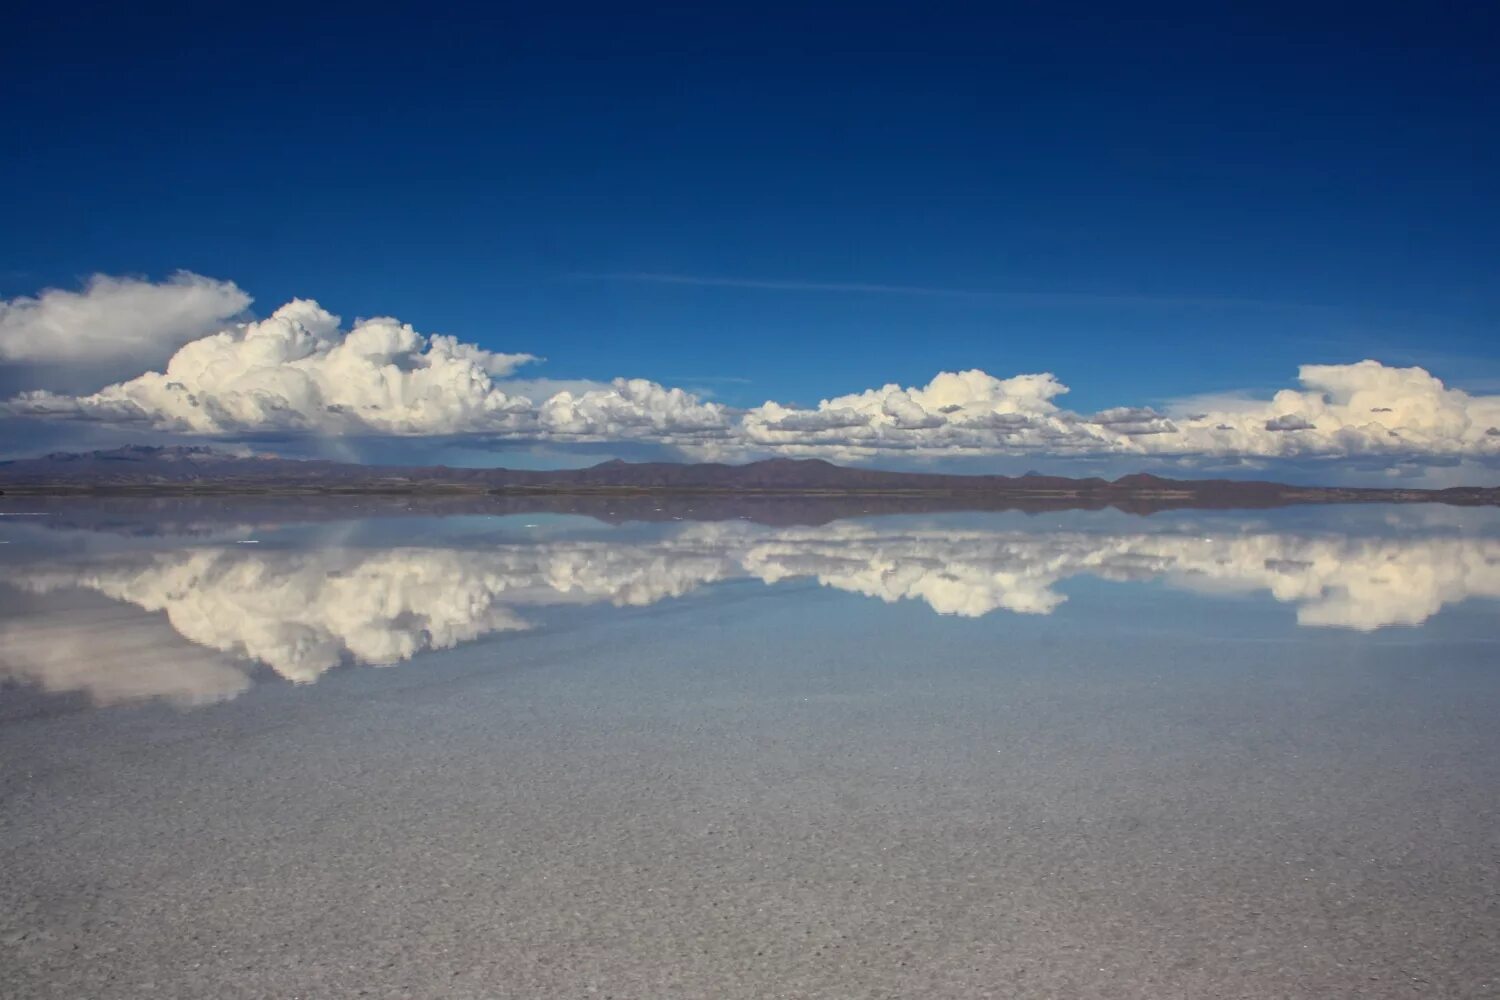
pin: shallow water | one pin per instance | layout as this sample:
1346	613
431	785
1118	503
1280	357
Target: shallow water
277	749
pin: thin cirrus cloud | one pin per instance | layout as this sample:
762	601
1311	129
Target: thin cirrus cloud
300	370
1032	298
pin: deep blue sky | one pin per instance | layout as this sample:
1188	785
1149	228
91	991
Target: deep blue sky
1165	202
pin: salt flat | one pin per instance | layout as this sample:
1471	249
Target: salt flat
719	784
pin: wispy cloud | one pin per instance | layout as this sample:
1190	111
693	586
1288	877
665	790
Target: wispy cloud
713	379
1049	298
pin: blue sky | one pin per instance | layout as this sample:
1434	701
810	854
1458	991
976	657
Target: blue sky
754	203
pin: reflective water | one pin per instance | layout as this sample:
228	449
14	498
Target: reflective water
674	749
146	607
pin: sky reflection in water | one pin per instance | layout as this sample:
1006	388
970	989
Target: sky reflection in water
131	604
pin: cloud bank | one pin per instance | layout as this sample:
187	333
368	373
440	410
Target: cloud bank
1362	409
299	370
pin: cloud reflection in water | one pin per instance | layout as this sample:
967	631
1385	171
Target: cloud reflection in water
217	611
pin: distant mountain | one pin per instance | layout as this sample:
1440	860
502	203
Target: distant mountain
197	470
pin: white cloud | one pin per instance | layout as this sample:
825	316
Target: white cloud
1363	409
113	655
955	412
301	613
1334	580
298	370
630	409
116	320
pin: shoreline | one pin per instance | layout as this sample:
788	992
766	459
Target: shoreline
1216	497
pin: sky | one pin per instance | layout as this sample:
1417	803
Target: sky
780	226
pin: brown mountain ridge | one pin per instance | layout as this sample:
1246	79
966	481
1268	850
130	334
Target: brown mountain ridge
178	470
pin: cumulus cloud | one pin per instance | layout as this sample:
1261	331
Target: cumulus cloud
115	321
1293	422
115	655
303	613
299	370
296	370
1363	409
300	613
631	409
955	410
1333	580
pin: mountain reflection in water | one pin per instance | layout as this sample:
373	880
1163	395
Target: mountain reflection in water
111	625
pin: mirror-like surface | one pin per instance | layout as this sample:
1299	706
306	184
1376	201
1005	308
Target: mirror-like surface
808	750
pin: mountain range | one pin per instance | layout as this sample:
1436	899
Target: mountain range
196	470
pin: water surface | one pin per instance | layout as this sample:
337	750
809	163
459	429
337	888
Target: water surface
253	749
